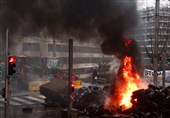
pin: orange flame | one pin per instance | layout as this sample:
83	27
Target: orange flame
132	80
128	80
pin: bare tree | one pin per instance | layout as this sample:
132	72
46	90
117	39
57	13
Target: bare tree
162	43
164	32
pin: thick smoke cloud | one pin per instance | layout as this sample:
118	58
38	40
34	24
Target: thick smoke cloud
104	20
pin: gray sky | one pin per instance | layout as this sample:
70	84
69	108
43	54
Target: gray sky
151	3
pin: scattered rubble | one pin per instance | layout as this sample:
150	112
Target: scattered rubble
153	102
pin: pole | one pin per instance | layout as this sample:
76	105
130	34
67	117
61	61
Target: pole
163	69
7	80
155	58
70	71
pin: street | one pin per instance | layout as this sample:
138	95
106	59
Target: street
26	106
37	112
30	105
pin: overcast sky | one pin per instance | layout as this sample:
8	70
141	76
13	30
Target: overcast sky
151	3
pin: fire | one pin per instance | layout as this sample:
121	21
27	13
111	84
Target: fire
127	81
131	84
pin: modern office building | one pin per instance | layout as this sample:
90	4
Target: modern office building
146	35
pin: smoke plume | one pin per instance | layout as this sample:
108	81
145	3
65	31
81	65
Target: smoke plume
104	20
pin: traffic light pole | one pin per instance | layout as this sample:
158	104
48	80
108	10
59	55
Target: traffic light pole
7	96
7	81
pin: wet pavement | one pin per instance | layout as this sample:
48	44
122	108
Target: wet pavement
32	112
34	100
28	105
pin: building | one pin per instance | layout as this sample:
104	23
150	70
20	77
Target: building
41	58
146	35
54	53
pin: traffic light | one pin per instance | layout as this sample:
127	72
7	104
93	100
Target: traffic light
11	65
72	87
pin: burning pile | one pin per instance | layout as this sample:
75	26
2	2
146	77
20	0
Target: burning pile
153	102
128	80
127	98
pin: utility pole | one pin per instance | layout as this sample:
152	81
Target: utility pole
155	58
7	80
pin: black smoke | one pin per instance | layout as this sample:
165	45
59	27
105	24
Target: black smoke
104	20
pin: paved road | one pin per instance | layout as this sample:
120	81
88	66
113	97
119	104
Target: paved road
37	112
24	100
18	103
35	101
29	106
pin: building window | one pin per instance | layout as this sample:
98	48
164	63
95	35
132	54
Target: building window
59	48
31	47
51	47
64	48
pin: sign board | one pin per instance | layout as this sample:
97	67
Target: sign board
52	63
148	74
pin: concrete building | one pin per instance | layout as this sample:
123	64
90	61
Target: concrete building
86	56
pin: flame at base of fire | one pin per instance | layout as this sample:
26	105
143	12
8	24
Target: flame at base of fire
127	81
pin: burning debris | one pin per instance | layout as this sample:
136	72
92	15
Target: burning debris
126	97
153	102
